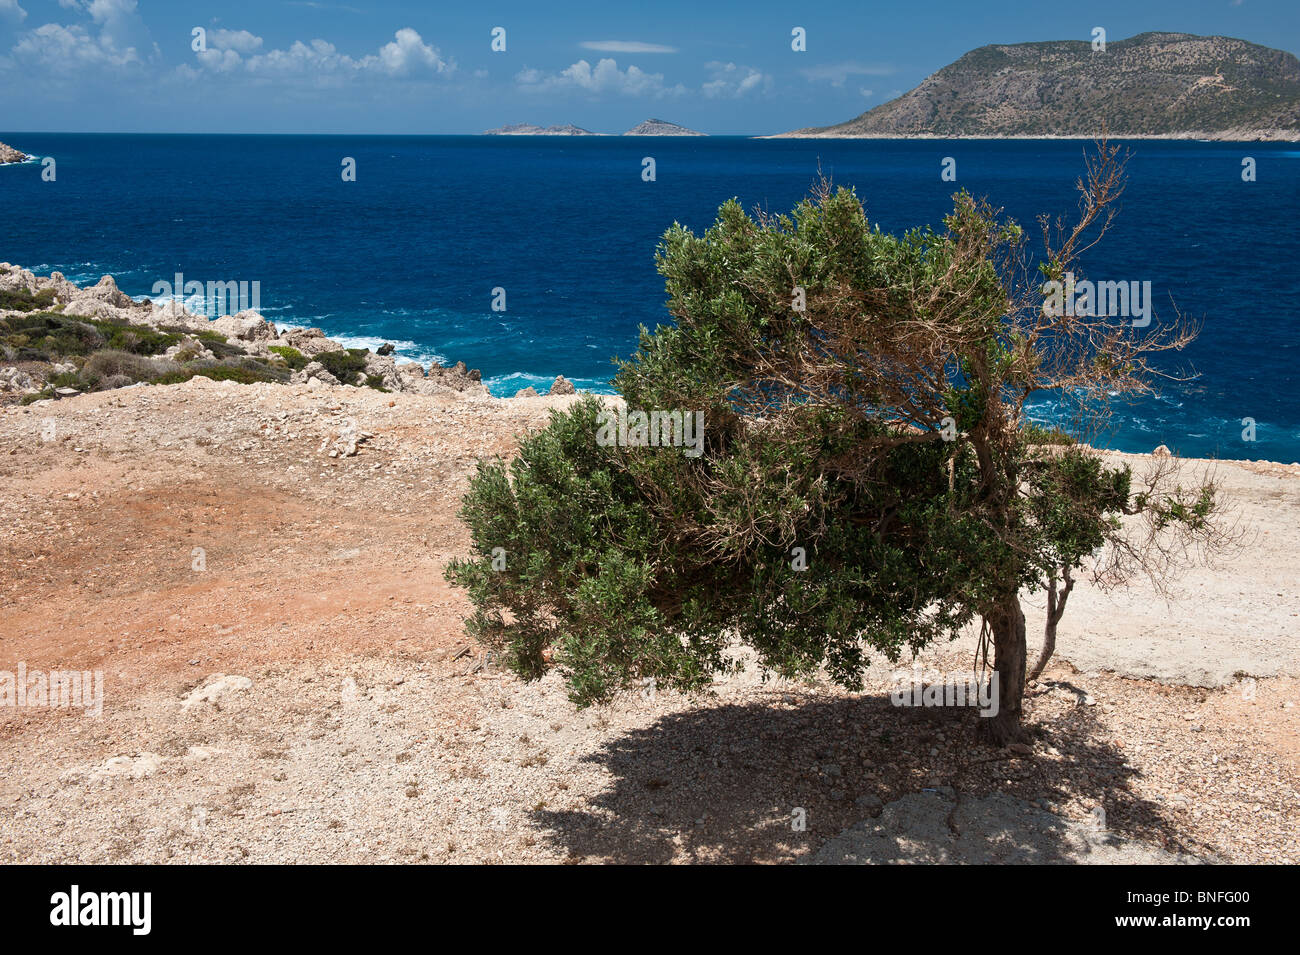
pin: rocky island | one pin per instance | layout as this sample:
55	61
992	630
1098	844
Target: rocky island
650	127
530	129
8	154
658	127
1154	85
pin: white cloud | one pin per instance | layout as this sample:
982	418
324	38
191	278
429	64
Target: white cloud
731	80
838	73
604	77
223	61
67	48
239	40
406	52
10	10
318	56
102	11
406	55
113	37
625	46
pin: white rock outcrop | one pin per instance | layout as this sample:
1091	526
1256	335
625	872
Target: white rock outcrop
216	689
248	331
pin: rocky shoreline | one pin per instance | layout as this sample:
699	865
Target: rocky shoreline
149	342
9	155
243	347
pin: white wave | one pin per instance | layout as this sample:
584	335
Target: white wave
507	385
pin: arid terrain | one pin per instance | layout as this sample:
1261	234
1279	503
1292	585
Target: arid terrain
182	537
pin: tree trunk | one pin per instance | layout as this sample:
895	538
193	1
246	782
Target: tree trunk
1055	608
1009	658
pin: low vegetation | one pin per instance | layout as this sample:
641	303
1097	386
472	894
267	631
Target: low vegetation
109	354
344	365
22	300
291	356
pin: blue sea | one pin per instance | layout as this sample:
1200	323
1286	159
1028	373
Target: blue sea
412	250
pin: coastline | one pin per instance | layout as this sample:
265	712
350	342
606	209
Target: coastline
9	156
1081	137
173	342
309	352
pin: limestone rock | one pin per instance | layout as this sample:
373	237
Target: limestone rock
216	689
344	444
8	154
386	368
315	371
458	377
129	767
246	326
106	290
309	341
12	379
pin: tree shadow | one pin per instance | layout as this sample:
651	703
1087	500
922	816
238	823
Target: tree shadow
728	783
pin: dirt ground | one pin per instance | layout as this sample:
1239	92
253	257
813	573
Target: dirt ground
172	537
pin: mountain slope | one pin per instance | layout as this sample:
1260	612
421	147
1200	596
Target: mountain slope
1155	84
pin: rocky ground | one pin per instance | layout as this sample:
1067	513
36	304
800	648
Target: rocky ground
257	570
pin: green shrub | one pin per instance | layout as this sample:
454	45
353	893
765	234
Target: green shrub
24	301
46	392
113	363
46	336
137	339
246	373
1037	434
292	357
344	365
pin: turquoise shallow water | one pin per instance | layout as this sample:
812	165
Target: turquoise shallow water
412	250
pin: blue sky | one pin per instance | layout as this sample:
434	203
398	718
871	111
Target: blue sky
402	67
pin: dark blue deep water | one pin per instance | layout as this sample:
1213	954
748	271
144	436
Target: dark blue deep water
411	251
